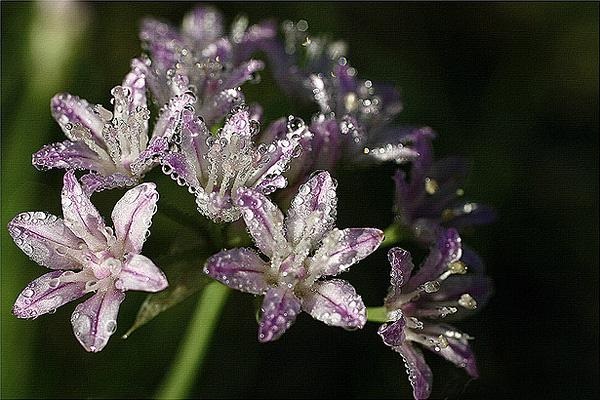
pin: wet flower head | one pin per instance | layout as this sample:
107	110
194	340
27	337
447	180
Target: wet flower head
200	57
302	248
417	301
215	166
111	145
86	256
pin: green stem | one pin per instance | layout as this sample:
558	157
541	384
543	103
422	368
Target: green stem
192	351
394	234
377	314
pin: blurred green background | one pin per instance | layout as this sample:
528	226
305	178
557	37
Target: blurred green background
512	87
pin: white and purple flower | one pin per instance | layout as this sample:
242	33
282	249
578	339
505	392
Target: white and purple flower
202	58
113	146
86	256
440	288
302	249
215	166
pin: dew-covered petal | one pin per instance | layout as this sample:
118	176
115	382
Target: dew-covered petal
447	250
402	266
237	123
335	303
45	294
313	209
241	269
342	248
95	320
140	273
170	121
203	24
132	216
419	373
400	145
80	215
135	81
162	41
179	168
68	154
68	109
45	238
392	333
243	73
279	310
94	182
263	219
455	346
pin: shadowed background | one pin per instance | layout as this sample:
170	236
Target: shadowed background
512	87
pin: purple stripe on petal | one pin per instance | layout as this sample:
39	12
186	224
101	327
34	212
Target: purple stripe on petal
263	219
335	303
419	373
342	248
45	294
178	166
69	109
313	209
66	155
279	310
80	215
45	238
95	320
140	273
240	269
132	216
94	182
392	333
448	249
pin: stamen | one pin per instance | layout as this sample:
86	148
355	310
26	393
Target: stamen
468	302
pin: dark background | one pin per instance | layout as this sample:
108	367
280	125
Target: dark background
512	87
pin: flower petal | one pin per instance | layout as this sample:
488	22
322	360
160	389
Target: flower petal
457	351
179	168
45	294
279	310
313	209
203	24
132	216
402	266
263	219
66	155
335	303
140	273
343	248
95	320
243	73
393	333
69	109
447	250
47	240
81	217
94	182
240	269
162	41
135	81
419	373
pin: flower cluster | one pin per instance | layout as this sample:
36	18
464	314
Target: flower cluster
208	140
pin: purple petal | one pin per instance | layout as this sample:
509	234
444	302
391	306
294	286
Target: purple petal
402	266
419	373
447	250
162	41
179	168
313	210
135	81
220	104
468	214
237	123
69	109
45	294
335	303
263	219
47	240
94	182
393	333
203	24
243	73
132	216
457	351
95	320
343	248
169	122
67	155
157	148
80	215
140	273
279	310
240	269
